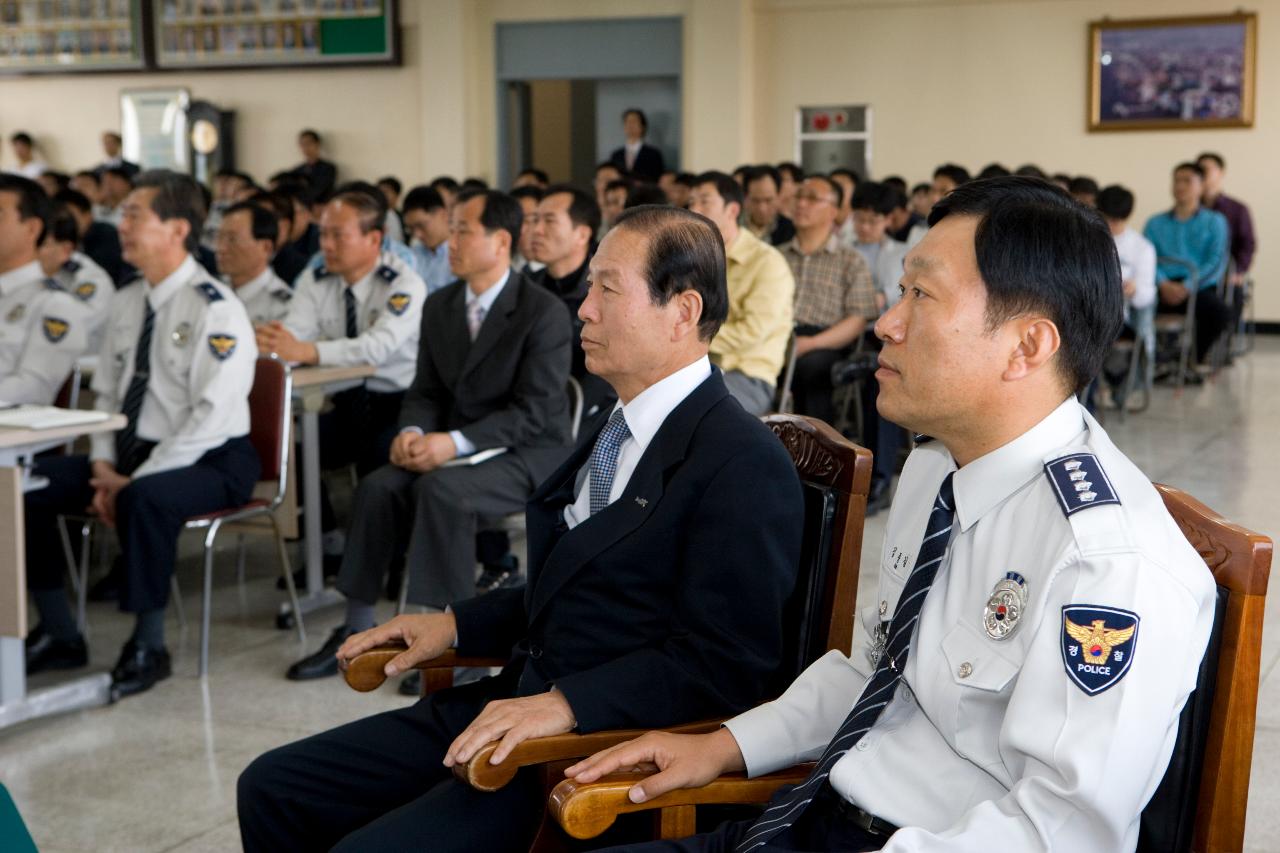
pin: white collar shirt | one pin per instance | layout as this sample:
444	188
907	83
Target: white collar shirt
266	297
461	443
43	330
644	415
1137	264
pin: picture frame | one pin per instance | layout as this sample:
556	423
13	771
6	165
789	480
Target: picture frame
69	38
1172	73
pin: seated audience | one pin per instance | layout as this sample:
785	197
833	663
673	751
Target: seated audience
177	361
636	157
642	194
994	170
1084	190
835	295
1137	276
426	218
99	240
522	259
1239	224
791	178
847	180
53	182
75	272
872	205
680	190
117	183
113	147
948	727
246	240
921	201
1195	235
447	187
676	508
1030	170
946	178
24	149
493	366
763	219
751	346
530	177
288	262
320	174
304	233
615	201
43	328
606	173
390	187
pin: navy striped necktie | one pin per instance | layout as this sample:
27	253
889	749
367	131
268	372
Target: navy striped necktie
884	681
353	326
130	450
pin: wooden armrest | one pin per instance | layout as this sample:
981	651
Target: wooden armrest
365	671
586	810
483	776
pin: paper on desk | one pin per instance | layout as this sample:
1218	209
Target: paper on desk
475	458
48	417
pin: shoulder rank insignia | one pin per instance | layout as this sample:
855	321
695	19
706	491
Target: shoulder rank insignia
55	329
398	302
222	346
320	272
1079	482
1097	645
283	295
210	291
72	265
85	290
387	273
54	284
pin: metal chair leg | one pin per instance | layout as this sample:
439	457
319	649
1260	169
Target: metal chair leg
82	593
240	559
287	568
78	579
206	604
175	595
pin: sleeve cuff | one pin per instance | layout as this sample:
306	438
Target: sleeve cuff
755	731
465	447
416	430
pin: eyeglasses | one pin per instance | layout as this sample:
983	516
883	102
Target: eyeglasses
814	198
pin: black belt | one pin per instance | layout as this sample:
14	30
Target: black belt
860	818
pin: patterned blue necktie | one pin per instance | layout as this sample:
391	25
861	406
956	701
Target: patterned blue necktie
884	681
604	459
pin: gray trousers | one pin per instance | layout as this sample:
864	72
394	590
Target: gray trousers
431	520
755	395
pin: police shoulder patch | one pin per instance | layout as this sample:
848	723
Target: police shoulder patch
72	265
1097	645
85	290
222	345
387	273
1079	482
398	302
55	329
210	291
284	295
54	284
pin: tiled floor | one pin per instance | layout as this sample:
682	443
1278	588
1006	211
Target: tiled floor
157	772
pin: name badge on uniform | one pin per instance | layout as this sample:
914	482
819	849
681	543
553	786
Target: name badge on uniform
181	334
1005	606
222	346
1097	645
16	314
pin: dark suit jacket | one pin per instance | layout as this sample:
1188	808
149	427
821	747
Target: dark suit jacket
666	606
649	164
102	243
572	291
507	389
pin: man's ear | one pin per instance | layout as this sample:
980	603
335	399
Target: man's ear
1035	343
689	305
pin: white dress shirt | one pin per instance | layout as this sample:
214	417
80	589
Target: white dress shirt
644	415
43	330
632	151
484	300
1137	264
266	297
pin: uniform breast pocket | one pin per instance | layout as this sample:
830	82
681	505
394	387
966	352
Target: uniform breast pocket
177	349
981	681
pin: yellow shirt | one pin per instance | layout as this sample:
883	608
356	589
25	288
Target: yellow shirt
753	340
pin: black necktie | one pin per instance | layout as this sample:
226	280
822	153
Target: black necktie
353	329
130	450
884	681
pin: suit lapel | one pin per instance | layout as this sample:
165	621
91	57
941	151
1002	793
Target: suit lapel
495	324
633	507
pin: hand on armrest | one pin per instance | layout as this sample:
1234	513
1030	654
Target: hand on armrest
681	761
367	670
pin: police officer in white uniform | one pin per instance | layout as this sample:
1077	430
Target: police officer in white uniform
363	307
76	273
43	330
1040	619
178	361
245	242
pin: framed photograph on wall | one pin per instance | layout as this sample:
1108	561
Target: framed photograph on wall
1171	73
64	37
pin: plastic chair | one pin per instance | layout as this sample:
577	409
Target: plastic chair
1180	328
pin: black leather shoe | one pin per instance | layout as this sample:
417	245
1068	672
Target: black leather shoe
322	664
138	670
411	685
504	573
46	652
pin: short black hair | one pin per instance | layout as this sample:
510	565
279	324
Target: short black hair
177	196
1115	202
61	227
759	173
423	198
391	181
119	139
446	181
870	195
786	167
368	201
685	252
23	137
920	188
1041	251
619	184
474	183
686	179
1214	156
831	183
1031	170
1190	167
61	180
277	201
527	191
537	174
848	173
726	187
638	113
958	174
1060	178
501	211
608	164
90	174
74	198
898	182
32	201
583	209
1083	185
642	194
994	170
263	223
308	132
119	172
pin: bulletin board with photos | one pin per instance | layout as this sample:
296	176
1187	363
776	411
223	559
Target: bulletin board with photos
257	33
60	36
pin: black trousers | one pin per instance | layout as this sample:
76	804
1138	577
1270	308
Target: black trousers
150	512
820	828
429	519
358	430
379	784
1213	316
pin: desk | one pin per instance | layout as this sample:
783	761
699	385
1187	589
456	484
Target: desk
310	386
16	446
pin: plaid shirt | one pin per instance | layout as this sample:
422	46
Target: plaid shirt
831	284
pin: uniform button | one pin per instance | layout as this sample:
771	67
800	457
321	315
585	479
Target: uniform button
965	670
864	744
535	651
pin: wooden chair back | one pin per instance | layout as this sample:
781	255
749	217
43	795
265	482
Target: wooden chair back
270	416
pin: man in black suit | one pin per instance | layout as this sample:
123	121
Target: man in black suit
637	158
660	555
321	175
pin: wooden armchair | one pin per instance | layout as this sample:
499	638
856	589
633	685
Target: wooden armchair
836	476
1201	803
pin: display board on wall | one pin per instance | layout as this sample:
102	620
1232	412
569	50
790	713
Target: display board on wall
153	127
61	36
